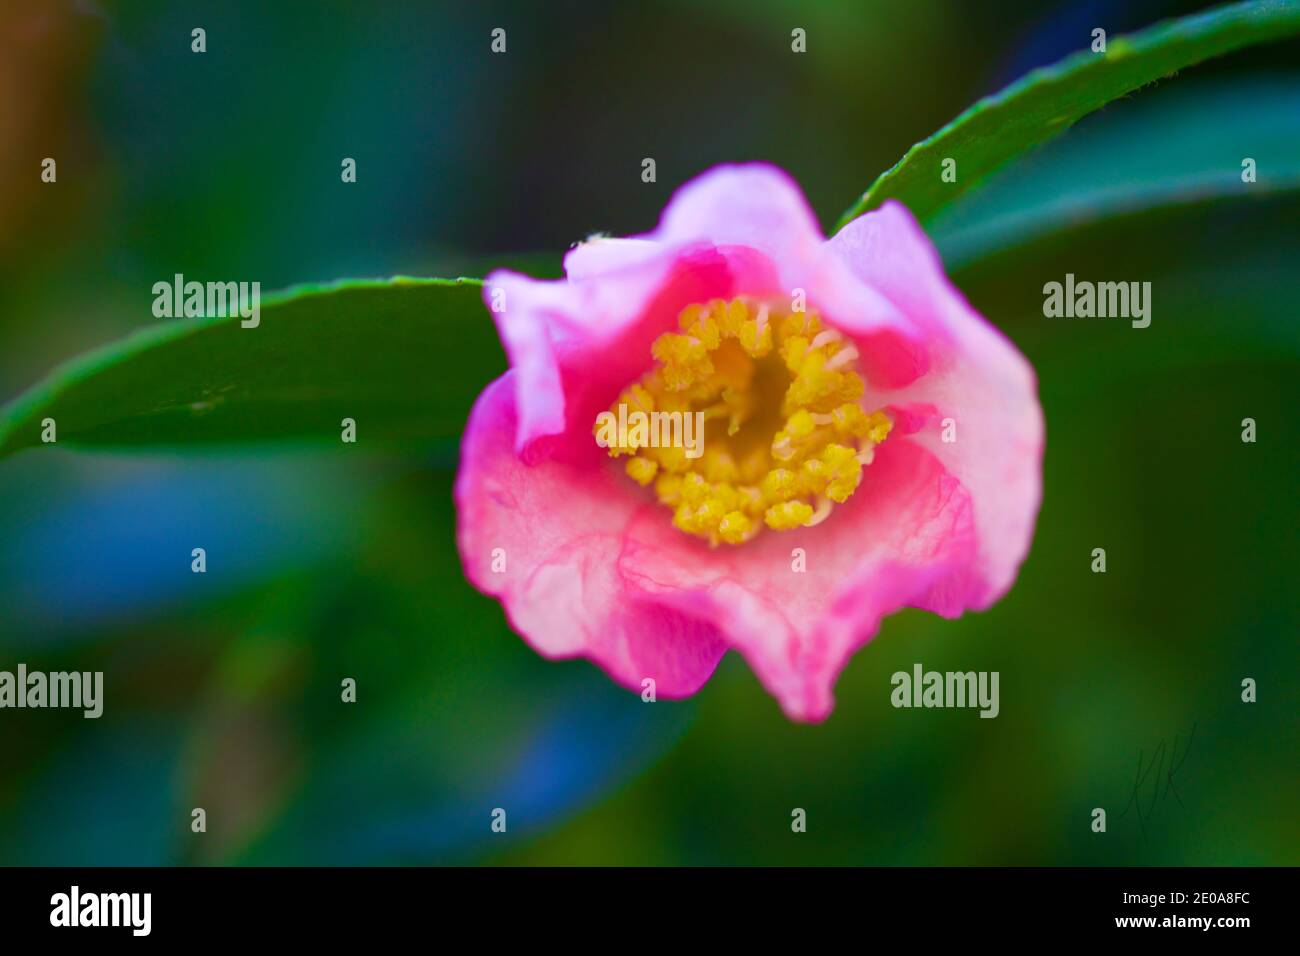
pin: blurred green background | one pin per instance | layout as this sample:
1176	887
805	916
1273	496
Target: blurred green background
222	690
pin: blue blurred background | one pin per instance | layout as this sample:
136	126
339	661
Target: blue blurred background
222	690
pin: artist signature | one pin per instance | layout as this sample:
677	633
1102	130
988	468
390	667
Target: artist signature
1155	777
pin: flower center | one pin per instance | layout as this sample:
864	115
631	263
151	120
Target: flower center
752	416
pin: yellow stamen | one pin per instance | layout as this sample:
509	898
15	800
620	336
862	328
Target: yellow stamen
785	436
642	470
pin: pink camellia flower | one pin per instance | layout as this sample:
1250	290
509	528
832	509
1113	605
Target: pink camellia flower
732	432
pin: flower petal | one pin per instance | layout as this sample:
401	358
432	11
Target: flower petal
576	345
556	530
977	379
903	539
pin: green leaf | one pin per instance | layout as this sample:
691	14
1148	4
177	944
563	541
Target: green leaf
402	357
1139	157
1047	101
